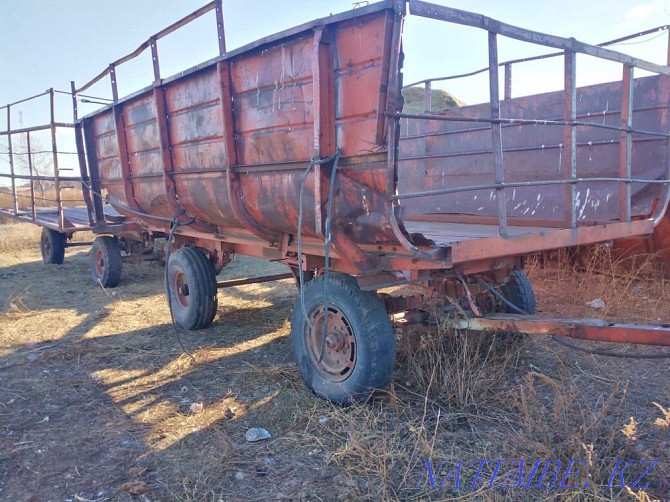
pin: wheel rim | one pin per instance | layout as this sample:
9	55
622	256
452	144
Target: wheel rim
339	355
180	289
99	260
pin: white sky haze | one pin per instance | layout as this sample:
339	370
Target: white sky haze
47	43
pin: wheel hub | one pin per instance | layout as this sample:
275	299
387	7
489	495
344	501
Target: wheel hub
180	287
99	262
335	341
339	350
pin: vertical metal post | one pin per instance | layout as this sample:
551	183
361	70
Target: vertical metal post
81	155
626	143
54	151
508	81
11	160
323	80
427	94
124	159
94	170
422	141
162	122
154	59
496	133
220	27
112	76
30	171
569	159
316	85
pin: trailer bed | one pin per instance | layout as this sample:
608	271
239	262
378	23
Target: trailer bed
446	234
75	218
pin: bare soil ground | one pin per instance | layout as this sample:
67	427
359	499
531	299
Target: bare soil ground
95	395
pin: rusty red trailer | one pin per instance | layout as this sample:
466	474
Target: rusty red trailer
295	148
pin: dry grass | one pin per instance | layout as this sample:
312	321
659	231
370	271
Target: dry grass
46	198
633	287
466	382
105	369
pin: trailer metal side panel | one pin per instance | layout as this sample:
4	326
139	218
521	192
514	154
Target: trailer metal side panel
274	111
197	141
453	154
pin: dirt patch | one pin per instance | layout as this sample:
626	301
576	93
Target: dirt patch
95	393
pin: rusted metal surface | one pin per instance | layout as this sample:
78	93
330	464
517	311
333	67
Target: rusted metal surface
658	243
582	329
457	156
81	155
242	131
258	118
496	134
569	164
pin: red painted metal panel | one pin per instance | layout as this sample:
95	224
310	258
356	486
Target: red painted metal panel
144	153
461	155
273	103
198	150
362	54
107	154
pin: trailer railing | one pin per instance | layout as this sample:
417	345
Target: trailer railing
29	151
92	188
152	43
569	49
507	65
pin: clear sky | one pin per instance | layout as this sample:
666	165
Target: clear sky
47	43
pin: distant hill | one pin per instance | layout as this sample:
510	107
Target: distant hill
439	100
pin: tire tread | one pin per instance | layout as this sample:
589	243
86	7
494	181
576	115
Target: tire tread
112	256
200	274
519	291
364	309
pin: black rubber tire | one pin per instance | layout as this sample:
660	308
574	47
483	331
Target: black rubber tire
366	322
519	291
195	306
106	261
52	245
